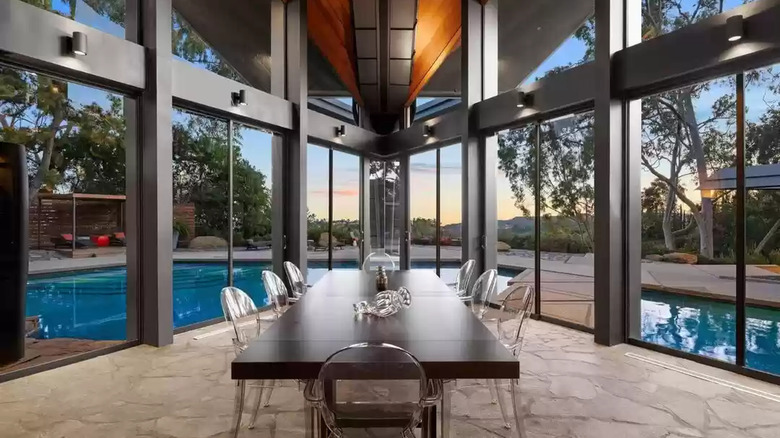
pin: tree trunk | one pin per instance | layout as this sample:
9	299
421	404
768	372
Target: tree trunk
706	244
768	237
671	195
43	168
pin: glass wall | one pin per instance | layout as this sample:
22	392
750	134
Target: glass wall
689	219
762	219
567	218
346	210
578	49
451	201
423	199
515	195
386	214
74	135
333	191
105	15
252	216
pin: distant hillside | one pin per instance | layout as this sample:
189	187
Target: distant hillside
516	225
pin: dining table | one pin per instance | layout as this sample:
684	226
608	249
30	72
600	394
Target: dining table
438	329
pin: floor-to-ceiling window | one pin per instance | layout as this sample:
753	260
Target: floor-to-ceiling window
203	229
333	202
435	179
76	140
385	209
252	217
105	15
423	210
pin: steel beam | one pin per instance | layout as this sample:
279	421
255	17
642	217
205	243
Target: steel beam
322	130
609	298
157	181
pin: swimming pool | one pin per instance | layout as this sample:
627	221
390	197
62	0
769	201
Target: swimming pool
92	305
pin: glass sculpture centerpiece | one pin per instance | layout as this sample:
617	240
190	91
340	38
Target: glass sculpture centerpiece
385	303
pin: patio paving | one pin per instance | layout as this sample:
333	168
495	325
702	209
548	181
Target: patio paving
570	387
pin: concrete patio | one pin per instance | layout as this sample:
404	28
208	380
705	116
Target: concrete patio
570	387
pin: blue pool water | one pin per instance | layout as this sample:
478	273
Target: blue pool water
92	305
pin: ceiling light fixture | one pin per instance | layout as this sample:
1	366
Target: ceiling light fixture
735	28
78	44
239	98
427	131
523	99
341	131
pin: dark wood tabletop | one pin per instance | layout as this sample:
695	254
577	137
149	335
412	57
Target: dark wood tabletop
438	329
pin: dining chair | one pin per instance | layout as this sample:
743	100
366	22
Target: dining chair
278	296
512	321
240	311
370	386
462	280
298	284
482	293
376	259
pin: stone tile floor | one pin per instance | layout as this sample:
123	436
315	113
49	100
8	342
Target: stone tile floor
570	388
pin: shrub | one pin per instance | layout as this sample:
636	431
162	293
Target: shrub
754	258
774	257
653	247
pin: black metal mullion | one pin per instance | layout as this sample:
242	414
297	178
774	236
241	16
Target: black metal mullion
330	209
537	220
438	212
740	221
230	202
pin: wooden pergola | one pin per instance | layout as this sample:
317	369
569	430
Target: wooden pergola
74	198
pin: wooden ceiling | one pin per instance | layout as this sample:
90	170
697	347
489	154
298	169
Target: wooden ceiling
437	35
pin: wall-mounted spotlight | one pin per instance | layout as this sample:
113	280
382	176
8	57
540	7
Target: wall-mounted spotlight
341	131
735	28
427	131
239	98
78	44
524	100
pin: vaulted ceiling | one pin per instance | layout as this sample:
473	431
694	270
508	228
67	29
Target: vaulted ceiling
384	53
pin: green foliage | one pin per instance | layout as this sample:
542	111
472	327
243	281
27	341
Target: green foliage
181	228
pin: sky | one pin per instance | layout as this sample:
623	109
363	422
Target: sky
256	145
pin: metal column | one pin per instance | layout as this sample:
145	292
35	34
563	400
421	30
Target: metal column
157	179
609	266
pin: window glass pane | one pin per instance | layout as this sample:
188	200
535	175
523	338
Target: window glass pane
427	107
385	210
688	268
188	46
515	182
762	218
346	210
422	209
252	251
76	296
317	202
567	215
105	15
451	202
201	225
578	49
663	16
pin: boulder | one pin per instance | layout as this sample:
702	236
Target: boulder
323	241
208	242
502	246
654	257
681	257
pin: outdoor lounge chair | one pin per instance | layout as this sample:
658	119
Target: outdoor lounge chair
117	239
250	244
260	244
66	241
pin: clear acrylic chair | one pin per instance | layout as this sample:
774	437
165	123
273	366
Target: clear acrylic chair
369	386
376	259
298	284
462	280
512	321
240	311
482	293
278	296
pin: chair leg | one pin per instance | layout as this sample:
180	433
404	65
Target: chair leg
501	404
493	387
446	408
516	407
238	406
267	392
256	410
